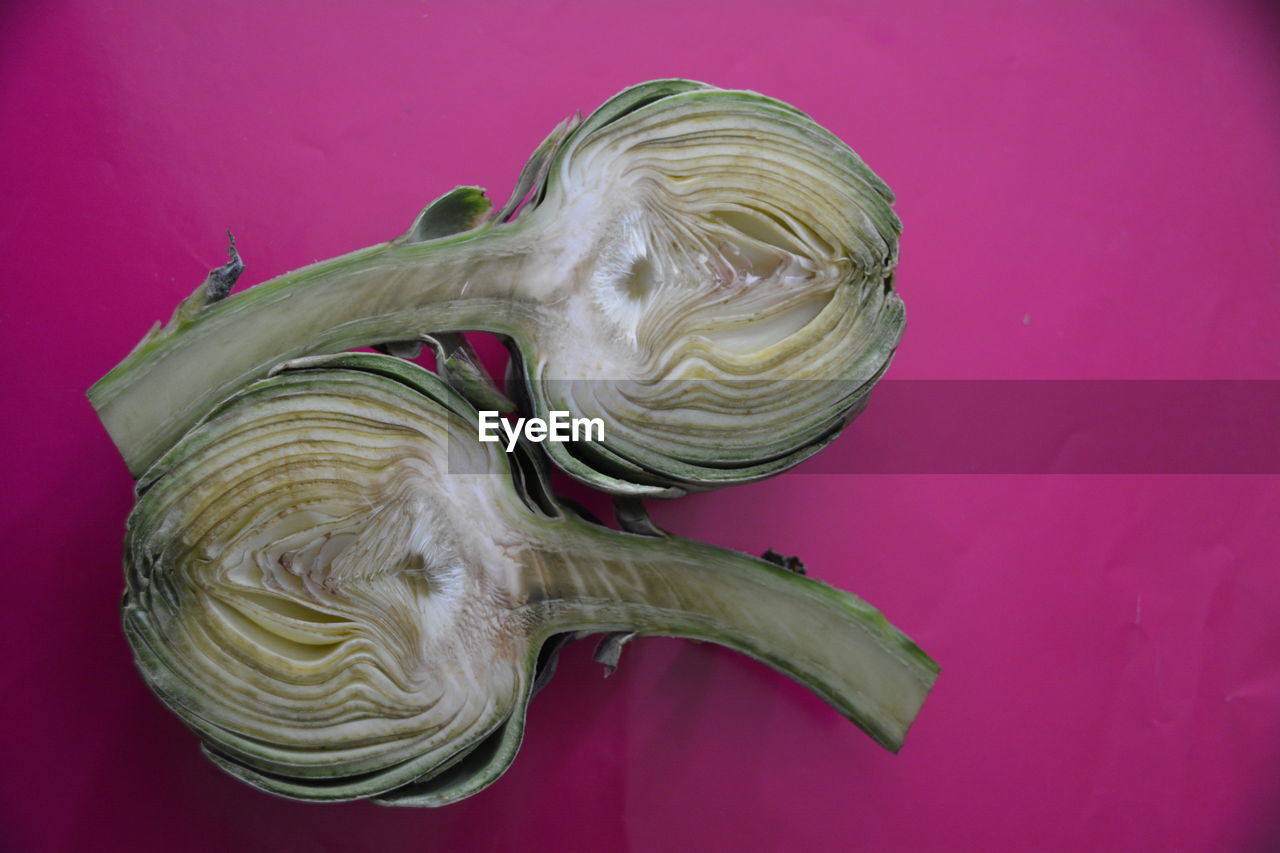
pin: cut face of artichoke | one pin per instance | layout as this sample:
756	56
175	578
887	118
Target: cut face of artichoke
707	271
346	595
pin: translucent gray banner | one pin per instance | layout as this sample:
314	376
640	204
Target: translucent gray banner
1062	427
1027	427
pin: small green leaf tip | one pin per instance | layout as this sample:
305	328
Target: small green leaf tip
456	211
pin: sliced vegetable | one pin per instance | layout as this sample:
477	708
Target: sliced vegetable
347	595
708	271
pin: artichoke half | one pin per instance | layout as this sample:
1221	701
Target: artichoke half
346	595
707	271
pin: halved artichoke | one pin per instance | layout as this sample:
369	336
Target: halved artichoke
347	595
708	271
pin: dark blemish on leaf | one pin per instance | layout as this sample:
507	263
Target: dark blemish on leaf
222	279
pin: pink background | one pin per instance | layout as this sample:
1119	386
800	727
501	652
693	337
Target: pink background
1090	191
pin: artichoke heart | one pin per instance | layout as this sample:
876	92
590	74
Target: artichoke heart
346	595
708	271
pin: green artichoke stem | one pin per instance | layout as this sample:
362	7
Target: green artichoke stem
393	291
828	640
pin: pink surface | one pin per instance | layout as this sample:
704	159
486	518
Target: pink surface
1090	191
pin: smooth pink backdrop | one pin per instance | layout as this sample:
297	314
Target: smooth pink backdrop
1090	191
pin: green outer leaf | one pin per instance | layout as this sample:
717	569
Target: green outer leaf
456	211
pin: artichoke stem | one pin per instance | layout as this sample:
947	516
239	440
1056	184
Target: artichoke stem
828	640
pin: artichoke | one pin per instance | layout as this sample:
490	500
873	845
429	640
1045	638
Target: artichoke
707	271
346	595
